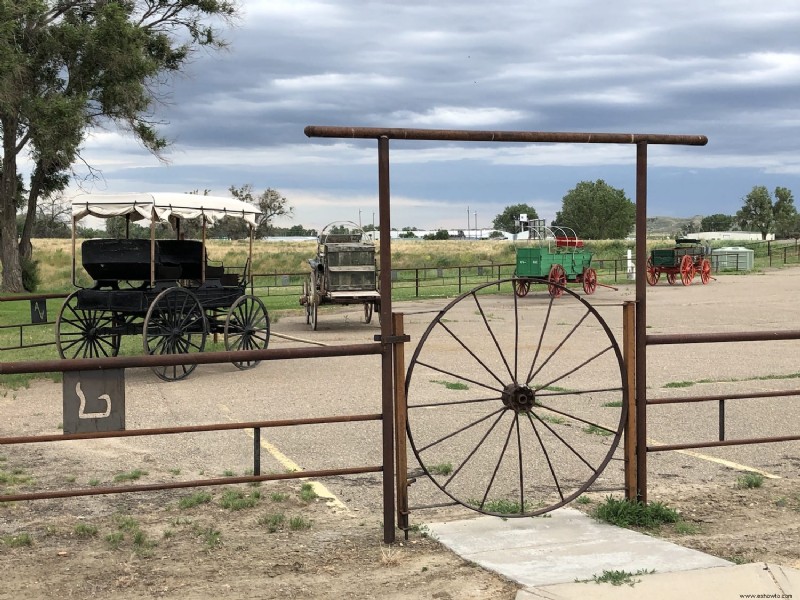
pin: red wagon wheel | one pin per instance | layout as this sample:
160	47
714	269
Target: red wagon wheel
589	281
557	279
671	278
651	273
522	287
705	271
687	270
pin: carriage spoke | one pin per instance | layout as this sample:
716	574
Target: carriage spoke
492	334
471	353
497	466
461	377
546	456
559	346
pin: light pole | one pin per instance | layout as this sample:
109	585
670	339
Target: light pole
476	224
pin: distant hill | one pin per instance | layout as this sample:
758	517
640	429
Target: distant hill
670	226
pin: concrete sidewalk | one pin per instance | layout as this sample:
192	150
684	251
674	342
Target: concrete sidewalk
557	556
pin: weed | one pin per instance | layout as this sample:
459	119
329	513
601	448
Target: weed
450	385
737	559
70	478
297	523
14	478
168	533
614	404
85	530
619	577
502	506
750	480
237	500
130	476
781	502
390	556
126	523
584	500
17	541
195	499
272	522
115	539
228	473
551	419
175	472
278	496
684	528
421	529
625	513
307	493
94	482
143	546
211	537
441	469
595	430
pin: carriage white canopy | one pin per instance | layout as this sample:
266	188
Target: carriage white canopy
141	206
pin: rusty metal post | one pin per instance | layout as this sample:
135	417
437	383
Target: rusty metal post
387	389
400	420
629	356
640	395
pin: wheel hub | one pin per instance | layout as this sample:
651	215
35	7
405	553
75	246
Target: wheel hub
518	397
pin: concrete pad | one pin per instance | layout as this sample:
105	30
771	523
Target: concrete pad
562	548
756	580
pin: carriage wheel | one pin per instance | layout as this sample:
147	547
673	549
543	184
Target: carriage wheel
522	287
525	411
651	273
557	280
86	333
705	271
368	309
589	281
307	299
247	328
671	278
175	324
687	270
312	311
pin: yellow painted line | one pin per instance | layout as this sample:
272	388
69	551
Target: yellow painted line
288	464
720	461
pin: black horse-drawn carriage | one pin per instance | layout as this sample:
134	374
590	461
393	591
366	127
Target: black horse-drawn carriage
165	290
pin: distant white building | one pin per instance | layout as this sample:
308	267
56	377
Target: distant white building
730	235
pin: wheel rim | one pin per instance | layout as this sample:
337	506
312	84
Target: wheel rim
651	273
313	314
86	333
557	280
589	281
368	308
705	272
671	278
307	301
687	270
522	287
247	328
521	431
175	324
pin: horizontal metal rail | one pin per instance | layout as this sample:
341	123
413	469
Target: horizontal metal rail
97	491
742	442
460	135
718	397
712	338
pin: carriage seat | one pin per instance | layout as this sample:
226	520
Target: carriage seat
179	259
107	260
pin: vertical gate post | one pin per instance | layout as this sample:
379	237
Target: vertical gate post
400	420
629	356
640	396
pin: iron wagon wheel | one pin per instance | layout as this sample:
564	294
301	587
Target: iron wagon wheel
671	278
705	271
82	333
247	328
368	310
652	273
687	269
589	281
522	287
312	311
307	299
515	414
175	324
557	280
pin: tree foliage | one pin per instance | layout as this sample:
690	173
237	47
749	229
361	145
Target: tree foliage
784	213
717	222
68	66
271	203
597	211
507	220
757	212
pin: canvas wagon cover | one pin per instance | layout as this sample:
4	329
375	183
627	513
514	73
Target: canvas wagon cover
140	206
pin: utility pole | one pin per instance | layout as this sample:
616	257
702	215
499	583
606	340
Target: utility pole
476	224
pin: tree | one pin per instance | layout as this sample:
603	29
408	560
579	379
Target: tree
271	203
597	211
717	222
507	220
757	214
68	66
784	213
441	234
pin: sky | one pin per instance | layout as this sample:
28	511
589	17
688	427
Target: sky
729	70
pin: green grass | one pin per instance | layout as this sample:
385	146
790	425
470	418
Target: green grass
238	500
619	577
212	538
298	523
130	475
15	477
749	481
552	419
451	385
441	469
679	384
584	500
634	514
278	497
614	404
195	499
85	530
595	430
126	523
115	539
307	493
502	506
684	528
273	522
17	541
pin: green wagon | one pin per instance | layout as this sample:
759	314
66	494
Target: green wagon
558	258
687	259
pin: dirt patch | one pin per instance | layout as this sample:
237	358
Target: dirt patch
281	547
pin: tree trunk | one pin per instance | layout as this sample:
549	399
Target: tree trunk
9	252
25	246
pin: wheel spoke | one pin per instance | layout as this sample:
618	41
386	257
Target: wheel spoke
519	459
494	338
454	403
546	456
461	430
475	449
541	338
566	443
560	345
576	418
471	353
578	368
461	377
497	466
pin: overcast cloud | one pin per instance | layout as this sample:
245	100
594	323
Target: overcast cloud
729	70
